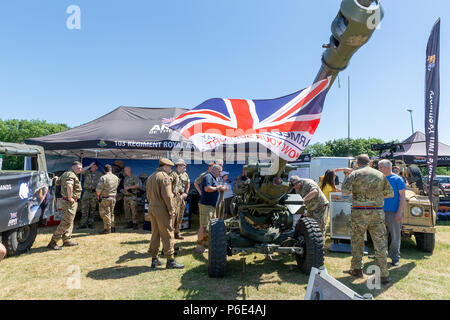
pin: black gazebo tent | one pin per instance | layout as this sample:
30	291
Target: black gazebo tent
415	151
130	133
136	130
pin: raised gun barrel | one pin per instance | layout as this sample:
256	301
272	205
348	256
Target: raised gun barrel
351	29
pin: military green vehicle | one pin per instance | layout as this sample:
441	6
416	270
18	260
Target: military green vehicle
419	219
25	197
266	210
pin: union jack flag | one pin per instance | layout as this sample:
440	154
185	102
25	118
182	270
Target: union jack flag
284	125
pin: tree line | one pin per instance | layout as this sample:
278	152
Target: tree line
18	131
353	147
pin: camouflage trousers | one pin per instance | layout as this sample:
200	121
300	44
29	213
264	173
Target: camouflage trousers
65	227
88	206
372	221
130	208
106	208
220	209
180	206
162	231
320	214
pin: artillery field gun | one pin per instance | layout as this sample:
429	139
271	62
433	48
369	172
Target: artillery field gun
267	215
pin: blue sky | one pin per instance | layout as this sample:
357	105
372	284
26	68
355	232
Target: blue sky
178	53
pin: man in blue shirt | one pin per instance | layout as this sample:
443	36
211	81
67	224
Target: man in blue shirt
393	209
210	188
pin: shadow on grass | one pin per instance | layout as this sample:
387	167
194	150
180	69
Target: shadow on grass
396	274
408	250
133	255
137	242
240	276
118	272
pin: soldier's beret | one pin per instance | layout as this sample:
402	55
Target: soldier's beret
180	162
165	162
119	163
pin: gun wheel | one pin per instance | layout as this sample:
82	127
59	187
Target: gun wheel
308	234
217	252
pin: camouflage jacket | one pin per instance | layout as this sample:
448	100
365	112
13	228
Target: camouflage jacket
308	185
70	178
159	190
91	180
199	180
107	186
368	186
130	181
180	182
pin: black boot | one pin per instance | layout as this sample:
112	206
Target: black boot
178	236
82	226
90	225
53	245
385	280
113	229
156	262
135	226
129	225
172	264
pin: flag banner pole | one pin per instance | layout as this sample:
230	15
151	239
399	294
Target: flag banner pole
432	93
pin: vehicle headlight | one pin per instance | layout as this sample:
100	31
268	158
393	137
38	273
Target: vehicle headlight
416	211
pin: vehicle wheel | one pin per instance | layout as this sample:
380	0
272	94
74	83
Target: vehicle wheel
217	251
425	241
308	233
19	240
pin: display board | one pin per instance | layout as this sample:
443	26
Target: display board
340	216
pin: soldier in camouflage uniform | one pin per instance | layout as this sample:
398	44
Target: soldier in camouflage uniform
89	198
130	187
117	170
315	201
180	187
71	192
369	188
161	211
106	194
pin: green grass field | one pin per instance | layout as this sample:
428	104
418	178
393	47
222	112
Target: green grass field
116	266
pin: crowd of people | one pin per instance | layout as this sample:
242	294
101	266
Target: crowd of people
166	191
378	198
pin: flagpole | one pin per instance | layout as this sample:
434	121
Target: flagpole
348	116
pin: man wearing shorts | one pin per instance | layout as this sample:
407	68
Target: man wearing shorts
208	203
